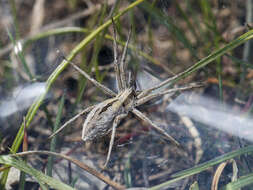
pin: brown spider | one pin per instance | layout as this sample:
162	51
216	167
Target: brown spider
105	116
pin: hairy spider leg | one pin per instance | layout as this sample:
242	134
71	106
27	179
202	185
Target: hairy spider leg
123	65
147	120
94	81
116	121
168	91
167	81
88	109
120	67
116	63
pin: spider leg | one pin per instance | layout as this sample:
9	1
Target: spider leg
96	83
157	94
146	119
71	120
115	123
167	81
123	60
116	63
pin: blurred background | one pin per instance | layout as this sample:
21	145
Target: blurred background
167	38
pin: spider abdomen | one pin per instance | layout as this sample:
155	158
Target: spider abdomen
99	121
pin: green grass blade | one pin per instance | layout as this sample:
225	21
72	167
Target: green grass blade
33	109
20	55
54	139
168	22
240	183
219	68
187	20
213	56
204	166
194	186
127	173
39	176
210	22
22	177
15	18
196	22
240	61
98	44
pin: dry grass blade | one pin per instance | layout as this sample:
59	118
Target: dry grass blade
217	175
78	163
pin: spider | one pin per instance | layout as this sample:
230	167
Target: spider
105	116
